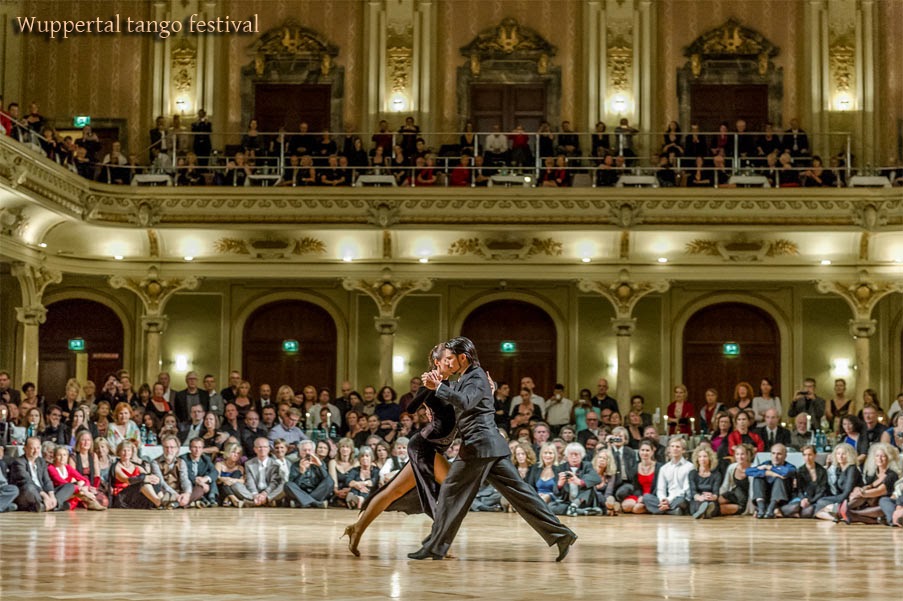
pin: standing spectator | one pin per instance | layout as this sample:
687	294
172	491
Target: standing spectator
202	146
8	394
807	401
409	134
192	395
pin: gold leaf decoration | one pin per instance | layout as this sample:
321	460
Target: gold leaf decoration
703	247
309	246
782	247
545	246
466	246
232	245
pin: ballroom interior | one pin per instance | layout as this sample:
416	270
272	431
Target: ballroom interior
645	286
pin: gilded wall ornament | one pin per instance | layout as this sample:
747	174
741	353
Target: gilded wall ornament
291	42
731	41
400	63
183	66
153	290
509	40
387	291
506	249
861	295
623	293
270	247
742	250
620	64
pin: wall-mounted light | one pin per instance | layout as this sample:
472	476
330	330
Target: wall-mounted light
399	364
181	105
619	104
181	363
843	102
840	368
398	103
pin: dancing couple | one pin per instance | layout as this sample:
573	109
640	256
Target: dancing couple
468	405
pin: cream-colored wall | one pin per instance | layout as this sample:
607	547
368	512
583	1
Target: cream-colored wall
596	345
366	347
419	329
9	299
889	80
195	330
682	21
826	336
105	76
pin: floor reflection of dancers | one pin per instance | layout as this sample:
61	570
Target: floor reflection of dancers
426	468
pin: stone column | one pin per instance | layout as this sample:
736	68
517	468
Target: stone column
154	292
623	295
33	280
862	331
386	292
623	328
31	319
386	326
862	295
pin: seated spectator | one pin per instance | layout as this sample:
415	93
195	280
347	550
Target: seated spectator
362	480
134	486
541	474
733	497
644	479
61	474
263	476
289	431
123	428
55	431
772	432
495	147
606	173
104	456
847	478
309	484
720	173
872	430
576	482
811	486
893	506
787	177
201	474
800	436
606	467
426	171
650	433
665	174
250	431
195	427
230	479
173	476
880	475
8	494
115	169
700	177
773	485
399	165
895	410
84	461
189	172
742	435
672	486
521	155
332	175
851	433
211	436
721	429
705	484
397	461
817	176
894	436
237	170
339	469
568	141
480	174
29	475
460	175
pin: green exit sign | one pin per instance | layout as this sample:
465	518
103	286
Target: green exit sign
730	349
509	346
77	345
290	346
81	120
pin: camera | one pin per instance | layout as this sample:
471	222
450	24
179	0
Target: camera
615	439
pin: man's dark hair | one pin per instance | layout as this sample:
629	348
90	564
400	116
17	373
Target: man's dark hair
464	346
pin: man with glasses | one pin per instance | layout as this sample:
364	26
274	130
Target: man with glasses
592	428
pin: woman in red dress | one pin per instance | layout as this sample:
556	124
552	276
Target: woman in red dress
680	411
61	473
644	481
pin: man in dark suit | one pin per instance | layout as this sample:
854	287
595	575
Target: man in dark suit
309	484
8	394
158	138
192	395
626	460
772	432
484	455
201	473
29	474
592	428
201	144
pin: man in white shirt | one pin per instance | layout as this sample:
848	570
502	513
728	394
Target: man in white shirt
263	476
397	461
496	146
673	489
558	409
527	382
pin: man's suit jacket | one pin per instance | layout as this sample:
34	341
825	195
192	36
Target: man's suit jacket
311	478
274	479
583	436
474	406
20	476
184	431
627	463
181	407
781	435
204	468
585	472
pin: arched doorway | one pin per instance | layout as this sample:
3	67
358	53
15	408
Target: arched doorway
530	329
263	359
102	331
708	365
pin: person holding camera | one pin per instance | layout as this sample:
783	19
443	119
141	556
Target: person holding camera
576	483
806	401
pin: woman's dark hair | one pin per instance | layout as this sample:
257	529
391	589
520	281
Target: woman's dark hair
464	346
27	385
380	398
435	355
855	422
326	390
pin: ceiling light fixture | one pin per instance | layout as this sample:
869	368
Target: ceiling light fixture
826	261
663	259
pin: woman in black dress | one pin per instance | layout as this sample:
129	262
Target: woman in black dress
425	470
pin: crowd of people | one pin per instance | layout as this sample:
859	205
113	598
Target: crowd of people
156	447
185	154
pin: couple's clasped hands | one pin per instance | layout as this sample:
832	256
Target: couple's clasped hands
431	379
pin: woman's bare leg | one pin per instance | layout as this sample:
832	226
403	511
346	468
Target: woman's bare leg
397	488
440	467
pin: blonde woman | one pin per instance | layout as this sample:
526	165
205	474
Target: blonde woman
880	475
340	467
607	468
705	483
285	393
733	497
231	478
542	474
102	451
848	478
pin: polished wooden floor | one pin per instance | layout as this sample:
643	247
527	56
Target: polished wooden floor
261	554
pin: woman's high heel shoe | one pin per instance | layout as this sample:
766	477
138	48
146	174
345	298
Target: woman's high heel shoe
353	539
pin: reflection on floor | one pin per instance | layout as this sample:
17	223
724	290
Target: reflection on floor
264	554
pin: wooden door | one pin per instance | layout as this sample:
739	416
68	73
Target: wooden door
532	331
507	105
705	365
263	360
278	105
78	318
712	104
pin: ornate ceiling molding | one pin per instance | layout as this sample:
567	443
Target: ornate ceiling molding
624	293
862	294
387	291
153	290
